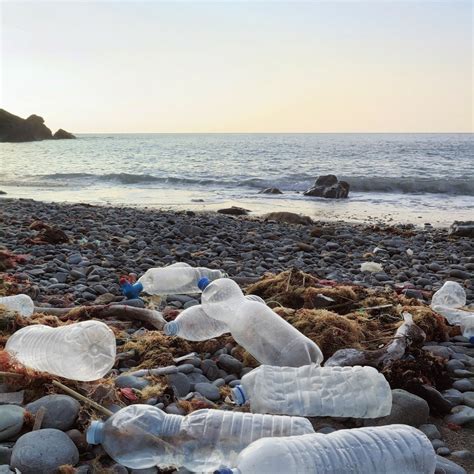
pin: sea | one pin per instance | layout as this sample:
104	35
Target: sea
398	178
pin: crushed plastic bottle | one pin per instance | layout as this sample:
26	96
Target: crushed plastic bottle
142	436
179	278
22	304
355	392
82	351
392	449
447	301
194	324
259	330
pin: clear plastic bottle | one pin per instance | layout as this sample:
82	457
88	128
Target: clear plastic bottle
356	392
258	329
391	449
447	301
177	279
194	324
82	351
22	304
142	436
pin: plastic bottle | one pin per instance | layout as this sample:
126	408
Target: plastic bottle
194	324
179	278
142	436
259	330
392	449
447	301
356	392
82	351
22	304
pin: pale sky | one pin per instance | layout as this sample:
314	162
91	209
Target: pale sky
400	66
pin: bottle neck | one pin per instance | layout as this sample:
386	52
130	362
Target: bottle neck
239	396
171	425
171	328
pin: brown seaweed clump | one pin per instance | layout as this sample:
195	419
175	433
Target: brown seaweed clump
328	330
433	325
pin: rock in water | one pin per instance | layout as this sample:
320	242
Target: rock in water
62	134
43	451
16	129
328	186
270	191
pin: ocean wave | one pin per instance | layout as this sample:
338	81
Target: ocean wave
294	182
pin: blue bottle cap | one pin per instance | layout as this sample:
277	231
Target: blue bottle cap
203	282
224	470
471	339
171	328
238	395
95	433
131	291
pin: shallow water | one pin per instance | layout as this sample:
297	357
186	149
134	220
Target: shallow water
405	177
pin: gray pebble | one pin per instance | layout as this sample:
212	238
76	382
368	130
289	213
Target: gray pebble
61	411
229	363
468	399
174	409
445	466
431	431
463	385
208	390
11	421
463	454
186	368
43	451
180	383
461	415
454	364
437	443
443	451
130	381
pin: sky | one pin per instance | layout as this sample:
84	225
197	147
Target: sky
334	66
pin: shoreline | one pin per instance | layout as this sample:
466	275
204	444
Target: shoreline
109	241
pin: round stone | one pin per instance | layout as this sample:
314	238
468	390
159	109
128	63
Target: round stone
61	411
11	421
208	390
43	451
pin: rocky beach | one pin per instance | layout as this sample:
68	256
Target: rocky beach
311	272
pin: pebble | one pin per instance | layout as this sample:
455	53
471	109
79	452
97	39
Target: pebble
440	351
461	415
186	368
130	381
11	421
5	454
437	443
431	431
443	451
445	466
43	451
180	383
454	396
454	364
210	369
190	303
174	409
463	454
463	385
229	363
208	390
61	411
468	399
407	409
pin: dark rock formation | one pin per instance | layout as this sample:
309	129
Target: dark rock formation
234	211
62	134
328	186
462	229
16	129
270	191
288	218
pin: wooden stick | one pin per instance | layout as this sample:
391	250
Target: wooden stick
39	418
82	398
11	374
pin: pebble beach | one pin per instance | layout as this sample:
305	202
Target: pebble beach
101	244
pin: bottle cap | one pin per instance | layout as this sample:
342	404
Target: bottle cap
171	328
238	395
224	470
203	282
131	291
95	433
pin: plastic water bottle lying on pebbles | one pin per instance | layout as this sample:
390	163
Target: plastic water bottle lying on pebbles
142	436
392	449
258	329
177	279
22	304
356	392
194	324
82	351
447	301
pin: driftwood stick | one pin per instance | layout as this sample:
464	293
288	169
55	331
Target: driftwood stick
39	418
11	374
82	398
118	311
